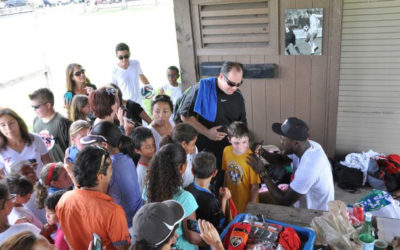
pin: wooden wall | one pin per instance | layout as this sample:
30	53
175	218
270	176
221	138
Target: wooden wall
306	86
369	87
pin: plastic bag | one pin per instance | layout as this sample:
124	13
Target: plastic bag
334	228
381	203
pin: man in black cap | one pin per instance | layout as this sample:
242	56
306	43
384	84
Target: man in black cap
312	186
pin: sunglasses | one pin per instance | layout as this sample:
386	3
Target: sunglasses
232	84
79	73
37	106
125	56
103	162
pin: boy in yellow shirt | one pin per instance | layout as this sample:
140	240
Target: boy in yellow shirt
240	178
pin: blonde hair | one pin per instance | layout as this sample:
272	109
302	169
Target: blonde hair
77	126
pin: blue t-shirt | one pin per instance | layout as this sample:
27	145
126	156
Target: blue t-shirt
124	185
189	204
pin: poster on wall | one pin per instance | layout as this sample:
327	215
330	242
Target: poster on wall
303	31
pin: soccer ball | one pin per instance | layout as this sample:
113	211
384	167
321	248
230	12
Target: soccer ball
306	28
147	91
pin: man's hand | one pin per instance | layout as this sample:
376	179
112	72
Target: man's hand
255	163
214	135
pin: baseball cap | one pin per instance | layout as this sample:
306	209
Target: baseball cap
293	128
155	222
103	132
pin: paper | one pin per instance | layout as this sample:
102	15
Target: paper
387	228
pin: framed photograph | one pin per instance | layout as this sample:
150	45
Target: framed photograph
303	31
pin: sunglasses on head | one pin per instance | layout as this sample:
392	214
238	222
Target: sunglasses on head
111	91
79	73
122	57
232	84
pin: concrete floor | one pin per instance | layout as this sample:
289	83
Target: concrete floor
348	197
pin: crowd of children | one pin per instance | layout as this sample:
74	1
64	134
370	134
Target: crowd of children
99	167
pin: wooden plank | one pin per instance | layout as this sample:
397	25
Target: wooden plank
235	51
371	54
232	21
370	42
184	35
388	60
371	5
361	18
370	65
238	12
295	216
372	100
247	93
376	88
364	82
319	91
244	30
375	116
333	73
371	72
371	36
370	77
376	48
369	30
236	39
273	101
380	11
274	26
374	23
386	93
223	2
287	73
259	108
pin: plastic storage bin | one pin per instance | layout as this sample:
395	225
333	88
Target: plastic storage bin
306	235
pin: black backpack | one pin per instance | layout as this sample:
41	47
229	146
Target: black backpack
349	179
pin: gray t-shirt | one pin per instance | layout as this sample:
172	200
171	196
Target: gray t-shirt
54	134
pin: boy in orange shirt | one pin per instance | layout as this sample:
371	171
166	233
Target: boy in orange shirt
240	178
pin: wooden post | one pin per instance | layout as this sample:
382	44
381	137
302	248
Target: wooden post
184	35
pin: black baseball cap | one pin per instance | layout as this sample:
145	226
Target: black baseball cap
292	128
155	222
103	132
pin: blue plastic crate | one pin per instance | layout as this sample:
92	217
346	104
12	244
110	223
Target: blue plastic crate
306	235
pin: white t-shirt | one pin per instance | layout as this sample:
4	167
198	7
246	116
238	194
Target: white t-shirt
173	92
187	177
32	206
157	136
18	228
141	171
20	212
313	178
33	151
314	23
128	81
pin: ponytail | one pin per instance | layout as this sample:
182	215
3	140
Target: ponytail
126	147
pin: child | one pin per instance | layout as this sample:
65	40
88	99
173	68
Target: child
161	109
50	125
144	145
210	208
80	109
185	135
23	188
78	129
51	216
240	178
173	88
53	178
165	183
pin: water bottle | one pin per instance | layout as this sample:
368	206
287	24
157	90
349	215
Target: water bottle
367	236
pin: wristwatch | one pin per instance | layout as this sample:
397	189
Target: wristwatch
264	174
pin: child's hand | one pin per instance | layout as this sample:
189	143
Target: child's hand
225	193
48	229
210	235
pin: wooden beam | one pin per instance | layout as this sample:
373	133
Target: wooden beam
239	12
